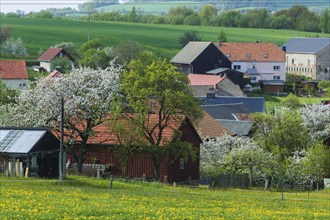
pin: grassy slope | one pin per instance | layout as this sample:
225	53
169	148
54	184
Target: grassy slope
84	198
39	34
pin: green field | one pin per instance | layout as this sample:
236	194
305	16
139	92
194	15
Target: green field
39	34
89	198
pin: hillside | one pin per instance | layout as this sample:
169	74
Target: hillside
162	6
39	34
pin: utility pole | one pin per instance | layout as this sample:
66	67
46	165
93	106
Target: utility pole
61	141
89	24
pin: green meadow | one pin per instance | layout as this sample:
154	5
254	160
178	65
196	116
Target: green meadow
39	34
90	198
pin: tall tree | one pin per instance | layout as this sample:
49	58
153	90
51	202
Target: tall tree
324	21
189	36
158	95
4	33
14	47
88	98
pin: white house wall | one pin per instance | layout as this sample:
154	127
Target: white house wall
16	83
45	65
265	69
316	66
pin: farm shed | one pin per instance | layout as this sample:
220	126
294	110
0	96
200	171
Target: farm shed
100	149
200	57
35	150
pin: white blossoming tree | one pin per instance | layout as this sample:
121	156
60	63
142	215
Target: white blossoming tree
88	98
237	155
316	118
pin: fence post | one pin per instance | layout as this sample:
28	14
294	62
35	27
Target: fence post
174	186
17	167
144	177
189	180
98	173
165	179
111	179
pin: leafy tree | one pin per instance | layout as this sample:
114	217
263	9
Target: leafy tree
132	16
180	10
324	21
189	36
160	92
207	12
14	47
95	58
325	85
222	37
124	52
4	33
291	101
281	133
193	20
317	163
70	48
92	44
42	14
88	98
62	62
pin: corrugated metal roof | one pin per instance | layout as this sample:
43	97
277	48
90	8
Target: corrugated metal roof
19	141
306	45
225	111
217	71
190	52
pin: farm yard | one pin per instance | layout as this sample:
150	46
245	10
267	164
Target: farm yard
90	198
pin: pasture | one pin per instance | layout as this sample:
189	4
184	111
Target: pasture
39	34
89	198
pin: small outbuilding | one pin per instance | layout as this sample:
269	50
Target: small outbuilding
29	151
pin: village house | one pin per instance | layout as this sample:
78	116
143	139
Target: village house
308	57
259	61
52	53
213	85
14	74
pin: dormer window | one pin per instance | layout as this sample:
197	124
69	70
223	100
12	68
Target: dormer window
248	55
265	55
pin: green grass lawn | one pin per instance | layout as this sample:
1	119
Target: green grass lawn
39	34
88	198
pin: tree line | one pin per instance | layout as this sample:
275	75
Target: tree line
298	17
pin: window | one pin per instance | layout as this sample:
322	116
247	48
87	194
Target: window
276	77
237	67
253	66
248	55
228	55
276	68
292	61
254	78
309	62
181	163
265	55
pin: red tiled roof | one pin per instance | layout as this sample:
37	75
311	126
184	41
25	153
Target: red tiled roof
207	126
13	69
104	134
204	80
249	52
54	74
50	54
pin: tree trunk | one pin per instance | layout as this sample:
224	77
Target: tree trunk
250	177
317	186
81	160
156	166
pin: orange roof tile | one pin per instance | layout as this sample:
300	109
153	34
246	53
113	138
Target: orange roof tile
104	134
207	126
50	54
249	52
204	80
54	74
13	69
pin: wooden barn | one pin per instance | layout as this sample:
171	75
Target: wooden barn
200	57
100	151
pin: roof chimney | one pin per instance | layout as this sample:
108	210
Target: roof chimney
284	48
